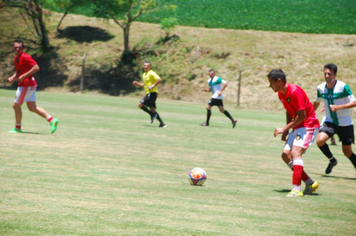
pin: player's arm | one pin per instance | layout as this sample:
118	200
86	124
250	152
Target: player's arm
335	108
301	115
32	71
316	105
222	89
12	78
291	123
135	83
159	80
207	89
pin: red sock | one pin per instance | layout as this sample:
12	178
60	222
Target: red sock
305	177
18	126
297	174
49	119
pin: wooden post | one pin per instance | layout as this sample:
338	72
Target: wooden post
83	68
239	86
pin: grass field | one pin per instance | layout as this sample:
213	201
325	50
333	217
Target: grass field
108	171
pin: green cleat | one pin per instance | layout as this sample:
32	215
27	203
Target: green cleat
15	131
54	124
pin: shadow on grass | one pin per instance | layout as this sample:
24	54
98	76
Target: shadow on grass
85	34
282	190
108	79
288	190
336	177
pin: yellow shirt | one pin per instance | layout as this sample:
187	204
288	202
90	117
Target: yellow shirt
149	78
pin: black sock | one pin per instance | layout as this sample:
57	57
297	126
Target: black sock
208	114
352	158
144	108
159	119
228	115
326	150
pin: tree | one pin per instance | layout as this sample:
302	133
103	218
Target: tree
167	24
124	13
66	6
32	13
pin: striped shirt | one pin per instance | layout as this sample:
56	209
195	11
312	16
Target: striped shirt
215	86
338	95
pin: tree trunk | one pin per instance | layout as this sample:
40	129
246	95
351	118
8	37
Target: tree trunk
44	35
126	38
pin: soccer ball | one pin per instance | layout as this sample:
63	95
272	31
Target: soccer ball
197	176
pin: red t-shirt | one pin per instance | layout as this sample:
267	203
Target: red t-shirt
24	63
296	100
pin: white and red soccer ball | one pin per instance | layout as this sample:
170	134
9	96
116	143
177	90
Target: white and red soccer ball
197	176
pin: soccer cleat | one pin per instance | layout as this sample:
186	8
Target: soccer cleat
204	124
153	117
54	124
295	193
330	167
310	188
15	131
162	125
333	142
234	123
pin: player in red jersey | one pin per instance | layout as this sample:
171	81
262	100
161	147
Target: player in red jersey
305	126
25	67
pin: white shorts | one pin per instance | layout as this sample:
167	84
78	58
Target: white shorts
301	137
25	94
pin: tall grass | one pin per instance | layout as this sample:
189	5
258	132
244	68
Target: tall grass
108	171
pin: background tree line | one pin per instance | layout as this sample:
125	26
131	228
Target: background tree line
122	12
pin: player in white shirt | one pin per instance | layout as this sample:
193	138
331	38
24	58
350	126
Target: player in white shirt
216	86
338	99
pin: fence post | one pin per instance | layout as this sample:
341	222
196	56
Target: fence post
239	86
83	68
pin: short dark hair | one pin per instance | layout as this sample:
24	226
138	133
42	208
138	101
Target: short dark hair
211	70
331	66
276	74
148	62
18	40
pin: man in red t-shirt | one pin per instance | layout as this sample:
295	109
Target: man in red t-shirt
25	67
305	126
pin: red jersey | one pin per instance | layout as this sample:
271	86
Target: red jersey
24	63
296	100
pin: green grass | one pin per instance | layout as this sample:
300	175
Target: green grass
305	16
108	171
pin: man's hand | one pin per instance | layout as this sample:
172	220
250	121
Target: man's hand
333	108
11	79
278	131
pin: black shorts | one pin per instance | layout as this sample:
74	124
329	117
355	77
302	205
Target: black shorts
149	100
345	133
216	102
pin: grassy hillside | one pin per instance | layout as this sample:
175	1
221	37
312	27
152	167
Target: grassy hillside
183	64
108	171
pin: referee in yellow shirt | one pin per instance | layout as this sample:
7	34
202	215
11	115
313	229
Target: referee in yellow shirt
150	82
